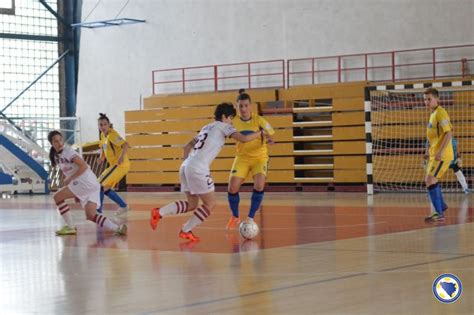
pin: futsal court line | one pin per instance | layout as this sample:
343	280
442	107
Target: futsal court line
305	228
380	251
305	284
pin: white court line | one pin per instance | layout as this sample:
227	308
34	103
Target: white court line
307	227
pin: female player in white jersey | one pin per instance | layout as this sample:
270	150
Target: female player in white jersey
80	183
195	177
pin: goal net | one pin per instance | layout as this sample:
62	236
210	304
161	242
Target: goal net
399	120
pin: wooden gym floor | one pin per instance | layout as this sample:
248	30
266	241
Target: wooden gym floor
318	253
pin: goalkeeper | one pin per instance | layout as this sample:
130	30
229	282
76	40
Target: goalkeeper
440	153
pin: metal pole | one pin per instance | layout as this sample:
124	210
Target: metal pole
393	66
216	80
184	82
248	71
366	74
58	17
153	82
283	76
339	69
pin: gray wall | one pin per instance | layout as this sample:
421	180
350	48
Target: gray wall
116	62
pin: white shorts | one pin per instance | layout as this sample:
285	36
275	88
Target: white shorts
86	188
195	181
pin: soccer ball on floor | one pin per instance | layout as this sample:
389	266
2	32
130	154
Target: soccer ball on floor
248	229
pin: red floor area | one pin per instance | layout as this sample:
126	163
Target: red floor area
279	226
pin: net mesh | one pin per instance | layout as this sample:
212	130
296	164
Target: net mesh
399	120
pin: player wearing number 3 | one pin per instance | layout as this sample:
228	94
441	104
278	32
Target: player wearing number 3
194	173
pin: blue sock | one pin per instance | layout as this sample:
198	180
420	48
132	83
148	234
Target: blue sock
256	201
116	198
435	198
234	200
445	206
439	195
101	206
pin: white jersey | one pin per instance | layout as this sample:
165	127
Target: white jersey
209	143
86	187
64	160
68	167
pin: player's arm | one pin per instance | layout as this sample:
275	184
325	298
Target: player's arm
447	139
427	150
247	138
443	120
101	158
117	140
125	147
188	147
269	131
82	168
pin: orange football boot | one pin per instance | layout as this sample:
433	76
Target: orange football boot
188	236
155	218
233	222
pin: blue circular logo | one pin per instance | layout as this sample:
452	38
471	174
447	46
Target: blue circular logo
447	288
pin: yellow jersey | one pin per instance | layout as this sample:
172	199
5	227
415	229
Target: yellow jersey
111	146
438	126
256	148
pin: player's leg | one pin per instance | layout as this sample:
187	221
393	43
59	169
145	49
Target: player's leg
60	198
233	197
460	176
101	220
200	215
238	173
175	207
259	169
109	179
105	174
435	171
200	184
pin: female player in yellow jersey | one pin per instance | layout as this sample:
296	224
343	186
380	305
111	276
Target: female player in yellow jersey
113	149
440	152
251	158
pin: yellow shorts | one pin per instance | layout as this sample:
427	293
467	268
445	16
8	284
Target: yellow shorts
437	168
243	166
113	175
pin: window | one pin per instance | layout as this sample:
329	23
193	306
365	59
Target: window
23	57
7	6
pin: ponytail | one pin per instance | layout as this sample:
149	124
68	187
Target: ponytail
52	155
52	151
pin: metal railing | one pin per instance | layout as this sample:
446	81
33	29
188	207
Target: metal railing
37	129
255	74
390	66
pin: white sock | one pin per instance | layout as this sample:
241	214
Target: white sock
461	179
102	221
65	212
200	214
175	208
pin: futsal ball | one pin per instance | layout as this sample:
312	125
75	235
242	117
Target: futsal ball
248	229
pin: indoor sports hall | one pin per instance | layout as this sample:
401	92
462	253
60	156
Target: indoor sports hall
236	157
